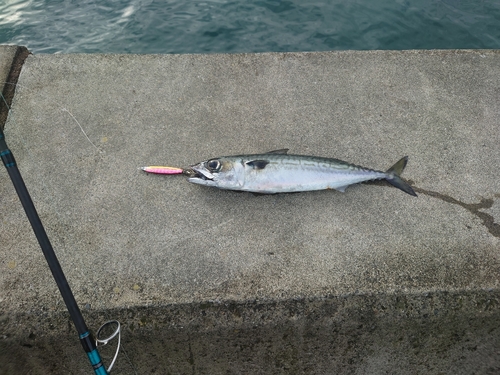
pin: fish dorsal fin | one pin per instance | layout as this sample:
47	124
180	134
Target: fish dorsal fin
257	164
281	151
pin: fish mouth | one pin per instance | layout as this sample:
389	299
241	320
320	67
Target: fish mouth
198	172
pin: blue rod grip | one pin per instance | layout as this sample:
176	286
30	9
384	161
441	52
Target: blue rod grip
89	346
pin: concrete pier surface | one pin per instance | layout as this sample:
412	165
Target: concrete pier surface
205	281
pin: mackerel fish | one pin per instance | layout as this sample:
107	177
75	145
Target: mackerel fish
278	172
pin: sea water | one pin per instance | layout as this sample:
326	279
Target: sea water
193	26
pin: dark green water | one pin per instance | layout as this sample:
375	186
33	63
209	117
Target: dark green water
191	26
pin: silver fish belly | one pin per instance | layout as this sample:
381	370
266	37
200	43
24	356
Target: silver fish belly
278	172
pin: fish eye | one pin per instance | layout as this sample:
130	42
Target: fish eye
213	165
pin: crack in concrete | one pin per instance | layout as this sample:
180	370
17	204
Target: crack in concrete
487	220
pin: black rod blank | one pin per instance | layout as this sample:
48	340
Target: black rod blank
88	344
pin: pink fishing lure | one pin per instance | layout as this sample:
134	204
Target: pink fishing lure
163	170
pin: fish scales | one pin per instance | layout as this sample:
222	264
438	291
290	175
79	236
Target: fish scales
292	173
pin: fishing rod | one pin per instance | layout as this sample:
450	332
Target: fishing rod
87	340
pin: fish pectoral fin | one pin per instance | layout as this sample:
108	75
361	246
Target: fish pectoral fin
257	164
281	151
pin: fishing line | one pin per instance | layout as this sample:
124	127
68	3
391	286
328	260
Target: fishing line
55	103
116	333
45	189
81	128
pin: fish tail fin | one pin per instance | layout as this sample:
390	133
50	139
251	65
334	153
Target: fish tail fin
393	178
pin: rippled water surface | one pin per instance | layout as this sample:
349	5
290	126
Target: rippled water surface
191	26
